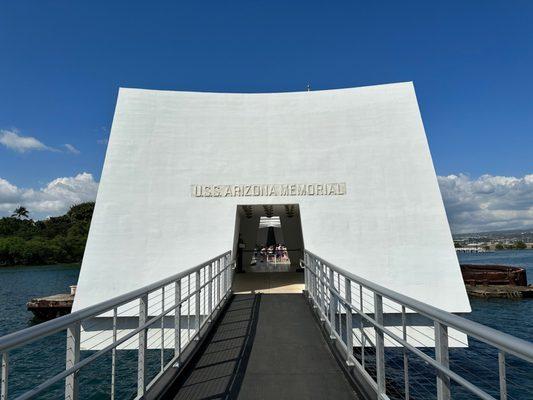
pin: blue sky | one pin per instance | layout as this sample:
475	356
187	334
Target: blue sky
62	63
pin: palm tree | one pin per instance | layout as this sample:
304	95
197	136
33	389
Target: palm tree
20	212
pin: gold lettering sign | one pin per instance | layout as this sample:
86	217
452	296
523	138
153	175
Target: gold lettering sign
269	190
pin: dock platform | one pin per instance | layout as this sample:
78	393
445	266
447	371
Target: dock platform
50	307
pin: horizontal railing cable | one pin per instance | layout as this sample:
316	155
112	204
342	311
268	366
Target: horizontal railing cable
337	294
511	344
421	344
189	299
26	335
478	364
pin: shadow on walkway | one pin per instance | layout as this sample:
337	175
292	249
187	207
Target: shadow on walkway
219	367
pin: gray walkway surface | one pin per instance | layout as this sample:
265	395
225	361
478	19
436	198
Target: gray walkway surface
265	347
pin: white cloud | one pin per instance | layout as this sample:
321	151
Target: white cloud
53	199
488	202
473	205
71	149
22	144
8	192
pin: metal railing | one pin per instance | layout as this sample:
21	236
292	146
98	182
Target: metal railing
387	349
202	290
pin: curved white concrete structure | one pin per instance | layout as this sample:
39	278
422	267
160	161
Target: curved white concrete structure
389	225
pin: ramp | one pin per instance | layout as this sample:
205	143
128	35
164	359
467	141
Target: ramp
265	347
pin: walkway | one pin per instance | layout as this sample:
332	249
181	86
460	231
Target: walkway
265	347
268	283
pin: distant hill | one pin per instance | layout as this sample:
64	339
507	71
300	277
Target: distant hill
518	239
505	233
55	240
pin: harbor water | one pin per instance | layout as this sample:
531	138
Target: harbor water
36	362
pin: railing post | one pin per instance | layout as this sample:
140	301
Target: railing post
306	273
442	357
197	305
502	375
332	304
114	355
316	283
143	337
322	290
73	357
189	297
405	356
312	279
230	275
177	320
230	271
210	290
162	327
5	376
224	276
380	345
219	290
349	332
362	327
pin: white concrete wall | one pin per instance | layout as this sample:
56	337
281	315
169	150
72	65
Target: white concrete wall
390	227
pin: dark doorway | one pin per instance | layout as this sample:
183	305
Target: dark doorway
268	238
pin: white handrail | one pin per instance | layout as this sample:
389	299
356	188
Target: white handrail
328	302
216	287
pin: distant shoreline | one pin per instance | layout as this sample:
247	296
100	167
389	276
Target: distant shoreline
78	263
42	265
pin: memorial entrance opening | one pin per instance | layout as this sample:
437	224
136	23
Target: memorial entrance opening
268	244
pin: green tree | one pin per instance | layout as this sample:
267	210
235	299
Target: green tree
519	245
81	212
20	212
500	246
54	240
10	226
11	251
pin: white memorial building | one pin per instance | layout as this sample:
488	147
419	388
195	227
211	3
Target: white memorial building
347	174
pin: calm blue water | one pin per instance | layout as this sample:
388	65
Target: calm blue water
34	363
512	316
478	363
19	284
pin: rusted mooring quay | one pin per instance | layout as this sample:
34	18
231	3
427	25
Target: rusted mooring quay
502	281
54	306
